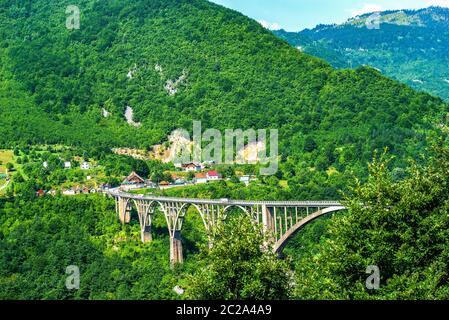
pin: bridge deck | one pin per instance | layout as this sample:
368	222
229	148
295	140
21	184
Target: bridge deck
229	202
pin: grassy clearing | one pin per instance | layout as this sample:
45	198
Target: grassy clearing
5	157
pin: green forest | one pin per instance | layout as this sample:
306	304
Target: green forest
351	135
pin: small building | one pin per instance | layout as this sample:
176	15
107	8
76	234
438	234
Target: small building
70	192
200	178
40	193
191	167
67	165
178	180
85	190
133	181
164	185
45	164
85	166
213	176
245	179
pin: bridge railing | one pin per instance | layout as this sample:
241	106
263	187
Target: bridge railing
318	204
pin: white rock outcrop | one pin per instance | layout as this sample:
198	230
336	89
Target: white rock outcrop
129	116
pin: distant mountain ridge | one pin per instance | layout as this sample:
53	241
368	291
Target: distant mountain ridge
408	45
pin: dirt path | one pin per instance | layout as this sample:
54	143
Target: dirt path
5	185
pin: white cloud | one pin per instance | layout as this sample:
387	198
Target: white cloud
269	25
368	8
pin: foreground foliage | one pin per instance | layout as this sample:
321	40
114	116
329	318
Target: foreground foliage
401	227
240	266
40	238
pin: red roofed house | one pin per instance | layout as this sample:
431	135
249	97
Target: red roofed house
213	176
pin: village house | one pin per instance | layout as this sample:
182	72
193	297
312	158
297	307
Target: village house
67	165
133	181
191	167
200	178
213	176
85	166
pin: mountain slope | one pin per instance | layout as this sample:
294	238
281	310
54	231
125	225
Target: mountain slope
410	46
174	61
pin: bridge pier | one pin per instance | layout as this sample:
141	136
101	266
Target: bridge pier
123	211
176	249
266	218
146	234
267	221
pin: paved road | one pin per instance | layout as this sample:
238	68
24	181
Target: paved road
118	193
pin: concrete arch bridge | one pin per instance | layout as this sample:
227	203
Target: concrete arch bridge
282	219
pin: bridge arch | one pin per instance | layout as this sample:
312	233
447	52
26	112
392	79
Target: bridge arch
242	208
185	207
150	212
129	203
282	242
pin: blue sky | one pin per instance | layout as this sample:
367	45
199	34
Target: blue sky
295	15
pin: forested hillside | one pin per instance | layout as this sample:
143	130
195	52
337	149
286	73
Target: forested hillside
169	62
174	61
407	45
40	239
